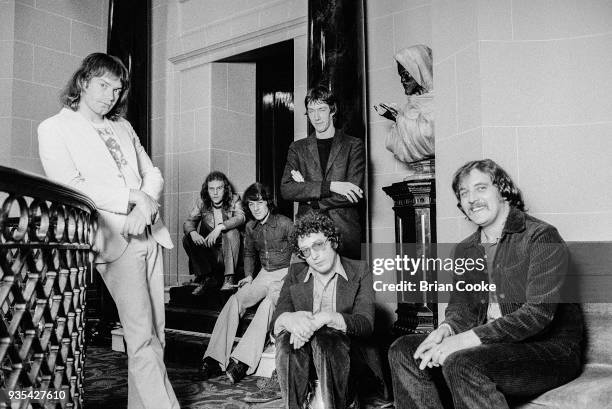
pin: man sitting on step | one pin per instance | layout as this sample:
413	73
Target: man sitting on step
212	239
325	305
266	237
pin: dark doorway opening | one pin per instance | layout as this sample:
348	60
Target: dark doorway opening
274	113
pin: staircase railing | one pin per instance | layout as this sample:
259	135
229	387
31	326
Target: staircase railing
46	235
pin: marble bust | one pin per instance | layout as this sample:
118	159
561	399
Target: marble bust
411	137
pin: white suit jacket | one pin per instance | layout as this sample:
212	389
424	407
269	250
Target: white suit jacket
72	152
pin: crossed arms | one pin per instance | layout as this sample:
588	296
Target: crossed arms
330	194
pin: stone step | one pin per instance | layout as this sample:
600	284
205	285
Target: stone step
200	320
189	322
187	312
267	364
211	299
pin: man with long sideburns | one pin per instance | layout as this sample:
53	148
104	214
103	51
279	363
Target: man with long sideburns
266	238
90	147
507	345
325	306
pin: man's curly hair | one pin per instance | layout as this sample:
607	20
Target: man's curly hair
313	222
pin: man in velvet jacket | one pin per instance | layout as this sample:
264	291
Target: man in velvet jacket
326	171
324	305
512	343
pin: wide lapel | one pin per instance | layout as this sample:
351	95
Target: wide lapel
301	293
88	137
346	290
314	151
334	151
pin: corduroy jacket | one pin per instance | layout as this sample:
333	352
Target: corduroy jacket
529	270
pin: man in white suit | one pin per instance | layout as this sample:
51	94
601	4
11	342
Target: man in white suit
90	147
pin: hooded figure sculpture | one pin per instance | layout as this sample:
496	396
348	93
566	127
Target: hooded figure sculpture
411	138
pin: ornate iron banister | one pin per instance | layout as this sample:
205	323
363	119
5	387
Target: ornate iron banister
46	236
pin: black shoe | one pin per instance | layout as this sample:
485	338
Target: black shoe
208	284
229	283
210	368
268	392
236	371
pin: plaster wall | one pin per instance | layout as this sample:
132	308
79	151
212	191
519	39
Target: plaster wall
42	42
202	119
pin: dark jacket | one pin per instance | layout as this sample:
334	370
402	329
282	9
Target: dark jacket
346	163
269	241
232	218
530	266
354	298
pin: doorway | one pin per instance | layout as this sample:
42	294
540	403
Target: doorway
273	112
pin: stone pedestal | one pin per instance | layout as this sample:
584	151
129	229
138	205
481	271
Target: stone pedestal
415	223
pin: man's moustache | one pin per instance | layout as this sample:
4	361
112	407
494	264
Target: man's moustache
479	204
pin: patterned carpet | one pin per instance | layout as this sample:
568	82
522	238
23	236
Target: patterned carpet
106	385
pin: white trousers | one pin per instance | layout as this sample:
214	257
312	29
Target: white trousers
266	287
136	283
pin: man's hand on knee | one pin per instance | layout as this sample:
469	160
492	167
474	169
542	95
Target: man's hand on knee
425	350
212	237
197	238
297	342
456	343
246	280
437	353
301	325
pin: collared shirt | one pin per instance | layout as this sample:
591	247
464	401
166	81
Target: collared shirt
324	288
324	292
268	241
493	310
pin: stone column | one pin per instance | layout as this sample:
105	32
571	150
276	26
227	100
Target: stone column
129	38
336	57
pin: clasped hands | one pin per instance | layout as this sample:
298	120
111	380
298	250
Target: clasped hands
439	344
144	211
302	324
347	189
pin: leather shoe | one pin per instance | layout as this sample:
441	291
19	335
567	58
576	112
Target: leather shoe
236	371
228	283
210	368
207	284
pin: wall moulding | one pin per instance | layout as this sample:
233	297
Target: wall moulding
225	48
